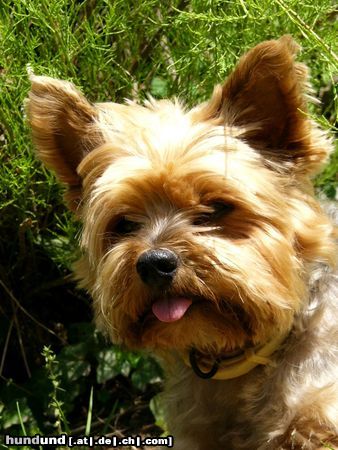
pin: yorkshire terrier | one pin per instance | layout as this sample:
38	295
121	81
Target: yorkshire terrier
203	242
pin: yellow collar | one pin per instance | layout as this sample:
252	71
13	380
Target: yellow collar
238	365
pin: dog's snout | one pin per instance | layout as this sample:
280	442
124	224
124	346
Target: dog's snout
157	267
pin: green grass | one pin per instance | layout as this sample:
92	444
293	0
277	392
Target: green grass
112	50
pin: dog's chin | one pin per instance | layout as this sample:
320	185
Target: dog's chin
182	322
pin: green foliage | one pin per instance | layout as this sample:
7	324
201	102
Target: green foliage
112	50
52	365
83	372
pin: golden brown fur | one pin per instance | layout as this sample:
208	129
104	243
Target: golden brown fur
150	176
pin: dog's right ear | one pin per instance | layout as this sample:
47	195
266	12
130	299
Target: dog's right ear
64	129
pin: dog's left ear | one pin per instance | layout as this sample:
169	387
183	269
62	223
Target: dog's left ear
265	97
64	129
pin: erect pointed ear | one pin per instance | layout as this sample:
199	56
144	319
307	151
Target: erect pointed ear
63	129
265	97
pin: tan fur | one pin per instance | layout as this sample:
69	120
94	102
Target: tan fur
264	267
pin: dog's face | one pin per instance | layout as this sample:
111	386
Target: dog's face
197	225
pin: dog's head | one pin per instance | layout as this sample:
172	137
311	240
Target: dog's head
198	225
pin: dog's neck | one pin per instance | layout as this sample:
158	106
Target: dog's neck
227	366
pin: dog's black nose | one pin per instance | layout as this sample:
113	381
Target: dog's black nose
157	267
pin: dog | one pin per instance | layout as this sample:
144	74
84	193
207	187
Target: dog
203	243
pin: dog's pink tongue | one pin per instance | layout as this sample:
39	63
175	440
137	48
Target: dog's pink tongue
171	309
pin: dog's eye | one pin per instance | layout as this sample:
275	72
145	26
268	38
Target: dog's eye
217	211
125	226
221	209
